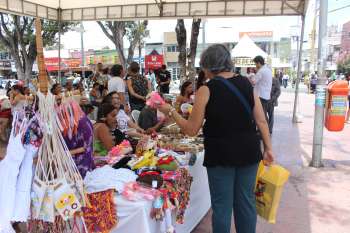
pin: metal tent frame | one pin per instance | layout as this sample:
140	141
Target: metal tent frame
95	10
150	9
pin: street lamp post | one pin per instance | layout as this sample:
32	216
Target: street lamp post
300	40
321	87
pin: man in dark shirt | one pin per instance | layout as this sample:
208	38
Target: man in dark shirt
148	120
273	102
164	78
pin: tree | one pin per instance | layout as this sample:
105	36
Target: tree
115	31
18	37
181	35
135	33
344	66
193	48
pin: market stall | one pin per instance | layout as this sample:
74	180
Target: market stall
244	52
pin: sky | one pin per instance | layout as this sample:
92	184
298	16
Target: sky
217	30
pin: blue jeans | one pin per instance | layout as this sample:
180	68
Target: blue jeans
232	188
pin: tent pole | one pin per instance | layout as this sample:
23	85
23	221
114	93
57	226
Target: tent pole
59	42
297	82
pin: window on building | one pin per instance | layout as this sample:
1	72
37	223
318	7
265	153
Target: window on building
175	74
172	49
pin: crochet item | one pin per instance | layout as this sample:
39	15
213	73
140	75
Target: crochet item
134	192
118	152
167	163
101	216
154	100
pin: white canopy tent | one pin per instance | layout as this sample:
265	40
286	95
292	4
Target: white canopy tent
247	48
77	10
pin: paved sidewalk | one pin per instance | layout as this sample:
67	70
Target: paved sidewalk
314	200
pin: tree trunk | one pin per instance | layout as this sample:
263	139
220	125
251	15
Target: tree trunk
181	42
193	49
131	52
28	69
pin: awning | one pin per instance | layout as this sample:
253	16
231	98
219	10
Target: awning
77	10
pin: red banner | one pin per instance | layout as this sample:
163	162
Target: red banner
153	62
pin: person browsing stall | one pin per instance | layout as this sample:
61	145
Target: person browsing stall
232	146
116	84
263	82
138	87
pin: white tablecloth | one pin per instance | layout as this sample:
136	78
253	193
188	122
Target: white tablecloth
135	216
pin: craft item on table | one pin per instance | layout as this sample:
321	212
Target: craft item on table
167	163
183	186
145	144
9	170
171	129
134	192
147	160
186	108
106	177
101	216
119	151
122	163
151	179
163	205
154	100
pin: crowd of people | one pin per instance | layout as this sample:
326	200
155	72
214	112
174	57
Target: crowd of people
235	113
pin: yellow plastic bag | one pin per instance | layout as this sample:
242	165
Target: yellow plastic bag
268	190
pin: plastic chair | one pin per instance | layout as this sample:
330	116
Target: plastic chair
135	114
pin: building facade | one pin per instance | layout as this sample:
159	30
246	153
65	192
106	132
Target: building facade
345	40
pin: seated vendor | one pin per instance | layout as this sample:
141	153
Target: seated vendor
124	123
80	146
106	123
148	120
185	95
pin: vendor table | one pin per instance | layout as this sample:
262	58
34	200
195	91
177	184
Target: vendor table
135	216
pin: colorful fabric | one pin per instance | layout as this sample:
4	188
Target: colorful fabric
101	217
83	138
183	186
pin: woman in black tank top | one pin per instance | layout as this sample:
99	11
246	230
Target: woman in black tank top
232	147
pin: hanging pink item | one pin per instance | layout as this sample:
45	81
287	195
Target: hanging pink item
154	99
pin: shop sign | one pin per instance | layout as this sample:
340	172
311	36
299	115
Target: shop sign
153	62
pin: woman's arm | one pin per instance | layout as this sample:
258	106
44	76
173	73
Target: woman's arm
133	125
105	137
132	92
195	121
261	122
77	151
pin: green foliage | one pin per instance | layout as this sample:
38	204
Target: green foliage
344	66
137	31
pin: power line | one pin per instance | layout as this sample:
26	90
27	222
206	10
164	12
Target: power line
340	8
